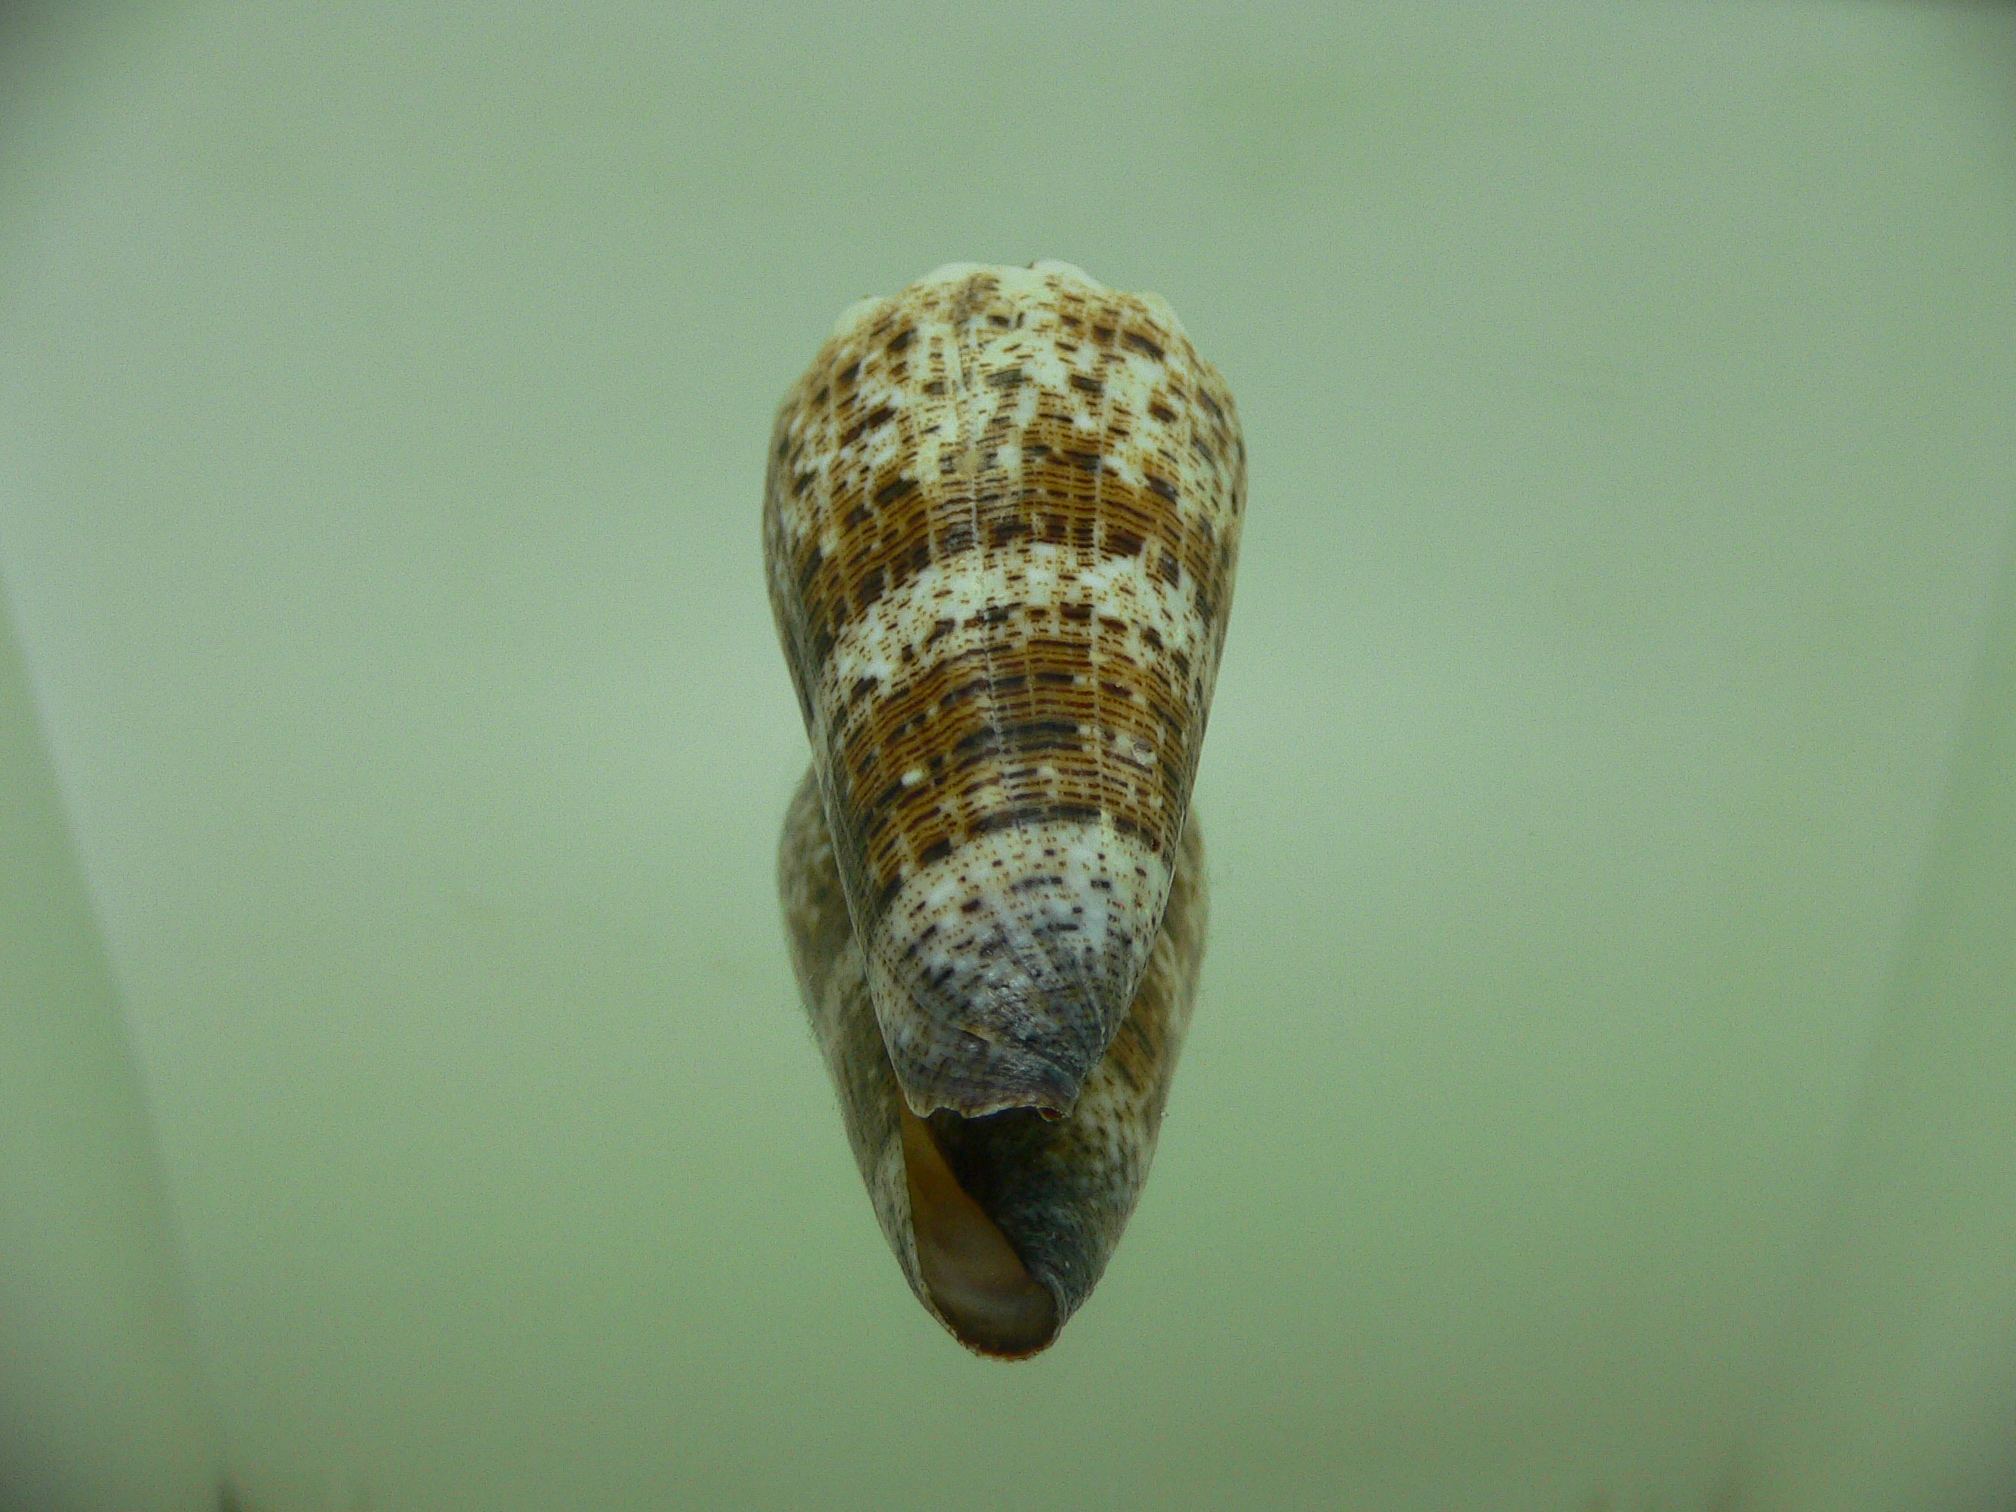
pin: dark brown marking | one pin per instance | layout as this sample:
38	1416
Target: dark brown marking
868	422
1023	815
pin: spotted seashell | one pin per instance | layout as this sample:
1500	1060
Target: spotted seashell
1000	527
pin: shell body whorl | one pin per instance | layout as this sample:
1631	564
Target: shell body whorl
1059	1193
1001	522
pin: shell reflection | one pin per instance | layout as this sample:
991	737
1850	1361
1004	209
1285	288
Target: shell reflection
1000	529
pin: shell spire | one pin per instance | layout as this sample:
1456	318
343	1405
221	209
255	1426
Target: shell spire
1000	526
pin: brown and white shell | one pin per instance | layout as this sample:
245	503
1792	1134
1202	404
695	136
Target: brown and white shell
1000	528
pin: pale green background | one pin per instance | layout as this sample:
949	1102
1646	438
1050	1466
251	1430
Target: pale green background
1631	396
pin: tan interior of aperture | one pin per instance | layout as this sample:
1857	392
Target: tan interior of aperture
980	1285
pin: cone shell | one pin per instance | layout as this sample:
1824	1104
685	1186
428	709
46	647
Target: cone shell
1000	527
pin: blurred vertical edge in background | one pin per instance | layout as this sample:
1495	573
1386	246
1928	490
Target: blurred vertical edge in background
103	1402
103	1406
1899	1383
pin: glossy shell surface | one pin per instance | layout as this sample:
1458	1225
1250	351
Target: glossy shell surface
1001	522
1000	525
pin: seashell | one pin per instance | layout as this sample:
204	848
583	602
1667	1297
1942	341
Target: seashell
1000	527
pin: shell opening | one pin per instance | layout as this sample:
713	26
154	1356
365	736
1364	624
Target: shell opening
978	1282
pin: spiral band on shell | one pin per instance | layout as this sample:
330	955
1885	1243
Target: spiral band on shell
1001	522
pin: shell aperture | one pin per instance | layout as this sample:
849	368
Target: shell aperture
1000	527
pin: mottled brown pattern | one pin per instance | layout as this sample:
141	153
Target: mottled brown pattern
1000	525
972	697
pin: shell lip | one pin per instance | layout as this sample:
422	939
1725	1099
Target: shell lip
981	1076
978	1048
1002	970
